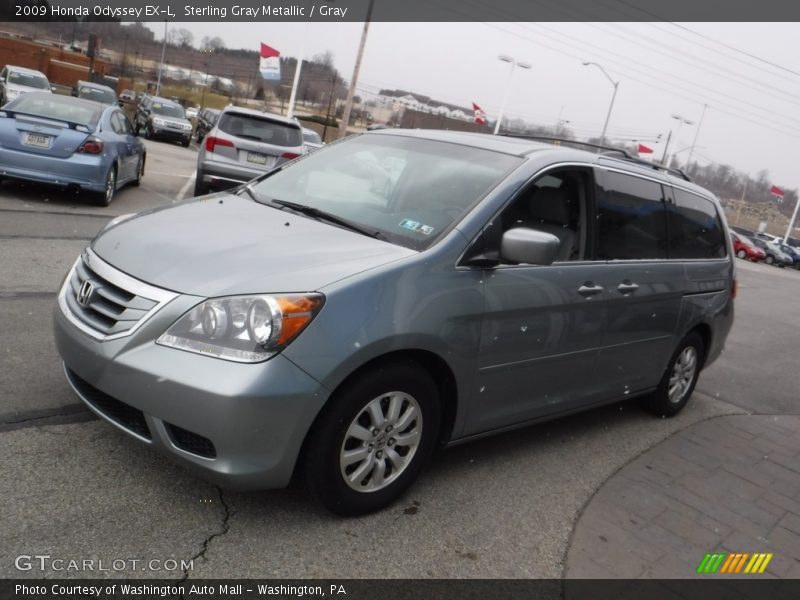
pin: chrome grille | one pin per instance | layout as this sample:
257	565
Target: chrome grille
106	303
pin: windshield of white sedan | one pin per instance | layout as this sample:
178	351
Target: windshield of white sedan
407	189
97	94
28	79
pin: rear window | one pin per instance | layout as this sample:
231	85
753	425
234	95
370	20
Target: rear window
695	228
28	79
260	130
60	108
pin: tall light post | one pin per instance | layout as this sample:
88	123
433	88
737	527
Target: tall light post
681	121
514	63
613	97
161	66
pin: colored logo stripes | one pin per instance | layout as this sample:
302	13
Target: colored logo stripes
735	562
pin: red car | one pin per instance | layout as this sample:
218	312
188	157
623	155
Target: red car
744	248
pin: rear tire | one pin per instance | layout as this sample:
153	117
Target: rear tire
200	187
373	438
105	197
679	379
770	259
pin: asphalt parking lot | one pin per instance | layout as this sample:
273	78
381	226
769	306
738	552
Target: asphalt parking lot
76	488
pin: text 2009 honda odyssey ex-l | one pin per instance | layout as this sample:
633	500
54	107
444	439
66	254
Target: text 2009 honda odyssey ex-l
352	310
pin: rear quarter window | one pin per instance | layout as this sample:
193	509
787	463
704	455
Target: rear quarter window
695	227
260	130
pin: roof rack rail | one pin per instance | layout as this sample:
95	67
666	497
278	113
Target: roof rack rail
609	151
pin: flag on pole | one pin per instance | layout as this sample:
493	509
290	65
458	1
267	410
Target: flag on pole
270	64
777	192
480	116
644	149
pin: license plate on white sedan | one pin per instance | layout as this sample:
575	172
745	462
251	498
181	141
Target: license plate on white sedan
258	159
36	139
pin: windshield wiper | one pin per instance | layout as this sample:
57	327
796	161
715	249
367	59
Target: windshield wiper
323	215
250	192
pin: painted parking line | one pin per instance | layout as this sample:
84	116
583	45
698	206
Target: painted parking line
186	186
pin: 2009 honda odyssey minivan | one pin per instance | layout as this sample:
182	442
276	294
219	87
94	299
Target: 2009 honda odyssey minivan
350	311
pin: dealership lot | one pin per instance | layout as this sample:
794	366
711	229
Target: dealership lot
77	488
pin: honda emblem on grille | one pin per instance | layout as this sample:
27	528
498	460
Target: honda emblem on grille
85	293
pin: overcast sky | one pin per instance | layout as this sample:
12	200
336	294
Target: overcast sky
662	69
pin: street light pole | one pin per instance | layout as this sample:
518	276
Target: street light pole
791	223
613	97
161	68
681	122
514	63
696	135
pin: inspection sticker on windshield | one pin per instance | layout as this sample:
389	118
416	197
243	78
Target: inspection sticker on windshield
417	227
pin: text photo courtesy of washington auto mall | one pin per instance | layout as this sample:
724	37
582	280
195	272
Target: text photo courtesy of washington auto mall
408	300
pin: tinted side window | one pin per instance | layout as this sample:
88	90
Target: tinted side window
694	227
631	218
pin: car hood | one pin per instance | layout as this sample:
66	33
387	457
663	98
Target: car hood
225	244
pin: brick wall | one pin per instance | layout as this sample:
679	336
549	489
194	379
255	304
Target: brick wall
60	66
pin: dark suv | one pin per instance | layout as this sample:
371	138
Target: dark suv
163	119
206	119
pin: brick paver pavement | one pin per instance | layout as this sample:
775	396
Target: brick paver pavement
728	484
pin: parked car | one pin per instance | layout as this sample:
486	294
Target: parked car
69	142
774	255
311	140
191	112
244	144
790	252
159	118
767	237
95	91
127	96
206	119
745	248
15	81
308	322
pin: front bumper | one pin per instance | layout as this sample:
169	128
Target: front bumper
167	133
256	416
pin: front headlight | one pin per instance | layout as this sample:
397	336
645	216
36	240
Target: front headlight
159	122
243	328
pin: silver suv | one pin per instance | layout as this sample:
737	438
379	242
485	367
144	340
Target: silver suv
243	144
349	312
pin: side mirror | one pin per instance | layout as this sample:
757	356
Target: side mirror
529	246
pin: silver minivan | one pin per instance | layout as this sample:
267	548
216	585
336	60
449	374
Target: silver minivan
349	312
243	144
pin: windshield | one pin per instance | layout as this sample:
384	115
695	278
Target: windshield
61	108
408	189
28	79
97	94
168	110
260	130
311	137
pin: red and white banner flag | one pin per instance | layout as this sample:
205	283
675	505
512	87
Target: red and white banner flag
777	192
270	63
480	116
644	149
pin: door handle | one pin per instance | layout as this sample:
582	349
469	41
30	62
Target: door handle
589	289
627	287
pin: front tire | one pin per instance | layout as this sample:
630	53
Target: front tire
770	259
741	254
373	438
139	172
679	379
